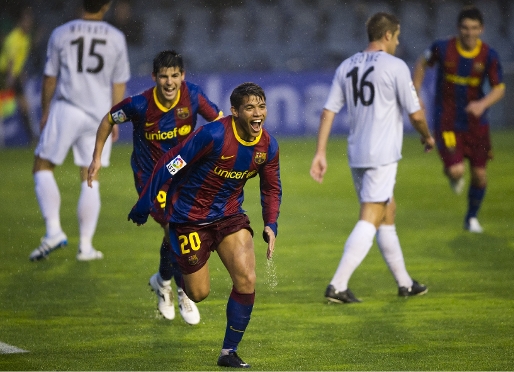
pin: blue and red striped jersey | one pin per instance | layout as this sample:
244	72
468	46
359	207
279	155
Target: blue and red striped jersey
461	76
214	164
157	129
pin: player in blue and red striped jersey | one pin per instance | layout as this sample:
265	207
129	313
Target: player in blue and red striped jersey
162	117
208	172
464	64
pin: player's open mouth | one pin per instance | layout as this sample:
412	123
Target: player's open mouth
256	125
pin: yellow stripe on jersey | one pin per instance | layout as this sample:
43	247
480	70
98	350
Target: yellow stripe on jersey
449	139
463	80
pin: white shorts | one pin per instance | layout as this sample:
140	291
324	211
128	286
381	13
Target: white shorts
68	126
375	185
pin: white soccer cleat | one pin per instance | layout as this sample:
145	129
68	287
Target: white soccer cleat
188	308
458	186
90	255
472	225
48	244
165	296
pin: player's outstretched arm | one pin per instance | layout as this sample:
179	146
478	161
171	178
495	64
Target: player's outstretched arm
118	92
47	92
269	237
102	134
137	216
319	163
419	123
478	107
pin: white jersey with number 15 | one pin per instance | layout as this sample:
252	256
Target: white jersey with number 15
87	57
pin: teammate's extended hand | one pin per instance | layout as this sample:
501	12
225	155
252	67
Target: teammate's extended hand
429	143
318	167
92	172
138	218
269	237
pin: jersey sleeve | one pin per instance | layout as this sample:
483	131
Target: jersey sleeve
121	73
407	96
207	108
494	69
122	111
172	162
271	188
432	54
52	56
336	100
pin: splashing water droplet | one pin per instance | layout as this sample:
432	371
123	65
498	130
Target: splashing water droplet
271	274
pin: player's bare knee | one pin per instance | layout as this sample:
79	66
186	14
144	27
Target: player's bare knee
198	294
455	172
245	283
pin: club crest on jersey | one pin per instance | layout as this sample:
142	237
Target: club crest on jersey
184	130
119	117
260	157
183	112
175	165
192	260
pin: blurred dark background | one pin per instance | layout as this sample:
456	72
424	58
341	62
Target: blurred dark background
265	35
290	47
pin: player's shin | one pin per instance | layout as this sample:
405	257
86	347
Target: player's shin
166	268
239	310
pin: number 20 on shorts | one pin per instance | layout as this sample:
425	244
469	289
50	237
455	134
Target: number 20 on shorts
188	242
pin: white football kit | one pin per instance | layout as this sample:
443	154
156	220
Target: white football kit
376	87
87	57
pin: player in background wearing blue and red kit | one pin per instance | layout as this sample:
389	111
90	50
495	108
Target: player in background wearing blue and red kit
162	117
464	63
204	204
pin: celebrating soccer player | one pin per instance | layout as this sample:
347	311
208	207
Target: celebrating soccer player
162	116
204	203
460	123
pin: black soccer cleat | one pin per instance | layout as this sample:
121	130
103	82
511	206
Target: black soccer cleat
232	360
415	290
346	297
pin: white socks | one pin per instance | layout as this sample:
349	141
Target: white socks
49	199
356	248
88	210
389	246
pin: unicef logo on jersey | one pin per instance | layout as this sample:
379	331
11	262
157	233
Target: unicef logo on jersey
175	165
184	130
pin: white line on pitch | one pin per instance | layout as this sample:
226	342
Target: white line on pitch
9	349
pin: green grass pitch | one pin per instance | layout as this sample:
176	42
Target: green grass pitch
101	315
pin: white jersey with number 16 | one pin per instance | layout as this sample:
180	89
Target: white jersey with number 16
376	87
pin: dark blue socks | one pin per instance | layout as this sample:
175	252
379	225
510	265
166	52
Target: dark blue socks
239	310
475	197
168	266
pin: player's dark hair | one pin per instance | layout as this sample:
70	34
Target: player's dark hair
167	58
379	23
94	6
246	90
470	12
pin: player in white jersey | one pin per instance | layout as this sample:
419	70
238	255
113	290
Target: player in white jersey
86	72
376	88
